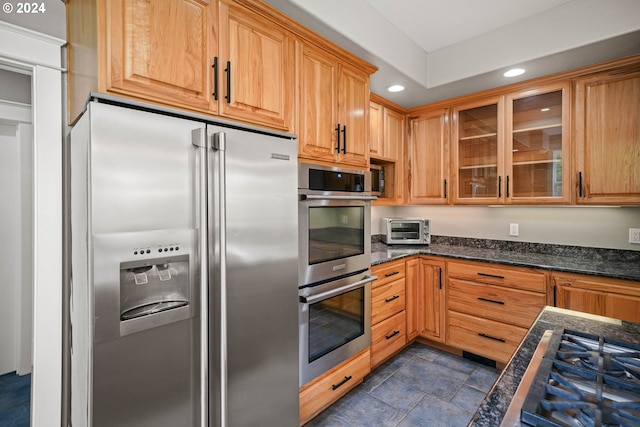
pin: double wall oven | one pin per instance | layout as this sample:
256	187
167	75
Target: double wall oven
334	216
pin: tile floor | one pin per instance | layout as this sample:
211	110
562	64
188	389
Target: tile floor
421	386
15	400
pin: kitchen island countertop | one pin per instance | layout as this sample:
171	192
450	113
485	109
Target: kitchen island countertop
581	261
492	410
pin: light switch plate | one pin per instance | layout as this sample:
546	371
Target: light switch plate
513	230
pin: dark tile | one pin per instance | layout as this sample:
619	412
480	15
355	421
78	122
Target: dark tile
458	363
423	351
431	378
398	394
482	378
433	412
358	409
468	398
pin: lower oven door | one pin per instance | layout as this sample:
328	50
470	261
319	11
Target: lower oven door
335	323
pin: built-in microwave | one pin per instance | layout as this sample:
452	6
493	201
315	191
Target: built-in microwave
406	231
377	180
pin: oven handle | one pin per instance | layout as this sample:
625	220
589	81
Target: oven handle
311	299
329	197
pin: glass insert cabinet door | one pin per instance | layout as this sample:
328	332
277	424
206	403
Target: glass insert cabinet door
478	152
537	147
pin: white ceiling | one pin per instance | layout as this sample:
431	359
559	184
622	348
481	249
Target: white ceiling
440	49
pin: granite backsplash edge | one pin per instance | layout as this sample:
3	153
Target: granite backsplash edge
596	254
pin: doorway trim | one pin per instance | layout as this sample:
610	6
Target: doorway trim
40	55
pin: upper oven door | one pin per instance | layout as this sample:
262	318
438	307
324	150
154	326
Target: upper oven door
335	236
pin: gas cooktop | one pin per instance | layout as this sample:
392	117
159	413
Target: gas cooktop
584	380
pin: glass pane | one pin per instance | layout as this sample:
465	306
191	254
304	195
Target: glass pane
335	232
537	146
478	121
478	182
334	322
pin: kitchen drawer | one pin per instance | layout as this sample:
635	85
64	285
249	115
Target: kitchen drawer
388	337
488	338
495	302
387	272
326	389
496	274
387	300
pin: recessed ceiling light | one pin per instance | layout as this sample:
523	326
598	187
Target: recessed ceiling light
514	72
395	88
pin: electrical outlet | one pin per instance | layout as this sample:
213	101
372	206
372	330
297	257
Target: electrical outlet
513	230
634	235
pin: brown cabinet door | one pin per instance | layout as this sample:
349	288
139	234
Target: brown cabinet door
429	158
413	304
568	296
393	135
256	69
353	114
317	93
161	51
607	137
376	129
431	294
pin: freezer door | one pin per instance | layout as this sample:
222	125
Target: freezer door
253	285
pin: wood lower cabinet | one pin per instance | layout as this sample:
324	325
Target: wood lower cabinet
607	137
490	307
388	316
619	299
431	299
326	389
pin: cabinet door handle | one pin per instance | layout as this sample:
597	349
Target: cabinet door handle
507	186
445	188
499	186
495	276
228	71
490	337
580	184
336	386
337	129
344	139
439	278
392	298
555	296
490	300
215	78
393	273
392	335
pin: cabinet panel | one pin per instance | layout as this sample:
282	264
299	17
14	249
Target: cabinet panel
519	278
161	51
608	138
413	306
388	337
256	69
387	300
485	337
495	302
431	296
429	158
353	113
388	272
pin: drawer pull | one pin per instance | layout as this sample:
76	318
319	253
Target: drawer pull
491	300
491	338
392	298
341	383
392	335
393	273
495	276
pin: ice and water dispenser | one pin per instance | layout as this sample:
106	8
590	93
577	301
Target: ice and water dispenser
143	280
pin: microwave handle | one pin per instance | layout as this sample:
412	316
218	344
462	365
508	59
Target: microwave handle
333	292
329	197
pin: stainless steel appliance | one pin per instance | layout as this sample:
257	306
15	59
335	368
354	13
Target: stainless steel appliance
184	269
334	277
406	231
579	379
377	180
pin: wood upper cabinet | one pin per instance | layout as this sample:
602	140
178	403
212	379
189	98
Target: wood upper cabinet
429	158
255	69
333	108
619	299
513	149
607	137
155	51
198	55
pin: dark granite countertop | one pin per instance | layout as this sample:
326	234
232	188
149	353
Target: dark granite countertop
618	264
493	408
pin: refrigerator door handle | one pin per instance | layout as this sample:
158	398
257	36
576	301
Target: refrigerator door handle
219	147
199	139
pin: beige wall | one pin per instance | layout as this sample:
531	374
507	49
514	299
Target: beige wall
604	227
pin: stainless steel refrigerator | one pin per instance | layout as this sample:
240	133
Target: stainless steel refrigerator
183	291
